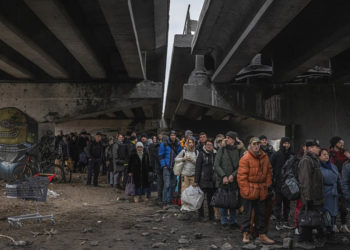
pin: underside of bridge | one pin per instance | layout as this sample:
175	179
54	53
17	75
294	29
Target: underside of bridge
66	62
252	64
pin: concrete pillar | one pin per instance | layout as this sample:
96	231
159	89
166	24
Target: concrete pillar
199	75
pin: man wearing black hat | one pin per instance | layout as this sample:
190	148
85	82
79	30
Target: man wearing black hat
226	167
278	159
266	147
311	183
95	154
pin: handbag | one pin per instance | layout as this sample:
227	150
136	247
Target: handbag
226	198
178	166
130	187
310	218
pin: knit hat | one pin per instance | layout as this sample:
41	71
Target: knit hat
263	137
285	139
312	142
139	144
334	141
232	134
172	132
188	132
143	135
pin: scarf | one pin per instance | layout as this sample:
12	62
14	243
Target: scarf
140	154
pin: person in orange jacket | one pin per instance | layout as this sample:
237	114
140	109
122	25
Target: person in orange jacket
254	180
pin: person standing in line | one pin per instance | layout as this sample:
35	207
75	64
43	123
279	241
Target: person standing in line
226	167
254	180
95	155
155	164
281	208
331	185
266	147
140	170
205	177
338	156
168	150
311	184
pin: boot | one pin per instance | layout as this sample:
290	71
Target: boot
246	238
335	229
136	199
265	240
344	229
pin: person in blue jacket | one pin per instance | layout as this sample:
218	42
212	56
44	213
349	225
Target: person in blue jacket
168	150
331	185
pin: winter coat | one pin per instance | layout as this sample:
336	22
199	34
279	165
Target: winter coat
331	183
167	152
345	181
154	157
95	151
226	161
139	169
278	159
82	143
74	150
189	166
199	146
268	149
120	156
254	176
310	179
204	174
338	158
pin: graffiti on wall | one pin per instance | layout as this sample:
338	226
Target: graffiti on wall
18	135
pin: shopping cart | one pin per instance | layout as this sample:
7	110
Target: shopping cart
33	188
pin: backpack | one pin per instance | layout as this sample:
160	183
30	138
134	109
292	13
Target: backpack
290	183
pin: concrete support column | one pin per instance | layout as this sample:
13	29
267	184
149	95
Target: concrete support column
199	75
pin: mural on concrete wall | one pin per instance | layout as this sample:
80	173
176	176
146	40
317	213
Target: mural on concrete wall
18	135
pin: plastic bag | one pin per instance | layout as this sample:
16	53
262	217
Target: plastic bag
193	197
130	187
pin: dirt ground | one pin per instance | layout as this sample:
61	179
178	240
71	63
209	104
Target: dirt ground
101	218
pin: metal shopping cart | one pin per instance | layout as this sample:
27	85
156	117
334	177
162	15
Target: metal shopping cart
33	188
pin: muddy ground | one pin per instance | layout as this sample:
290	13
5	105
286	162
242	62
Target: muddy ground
102	218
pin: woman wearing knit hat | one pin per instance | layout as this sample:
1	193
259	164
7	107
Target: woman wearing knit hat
140	169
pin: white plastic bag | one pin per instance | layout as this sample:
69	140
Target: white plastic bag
193	198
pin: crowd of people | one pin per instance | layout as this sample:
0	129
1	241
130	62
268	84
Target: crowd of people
268	182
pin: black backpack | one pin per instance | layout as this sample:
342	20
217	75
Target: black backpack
290	182
122	152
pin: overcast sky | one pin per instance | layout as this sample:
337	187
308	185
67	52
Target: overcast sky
178	10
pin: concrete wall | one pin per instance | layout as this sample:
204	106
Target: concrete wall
109	127
320	111
253	127
49	102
